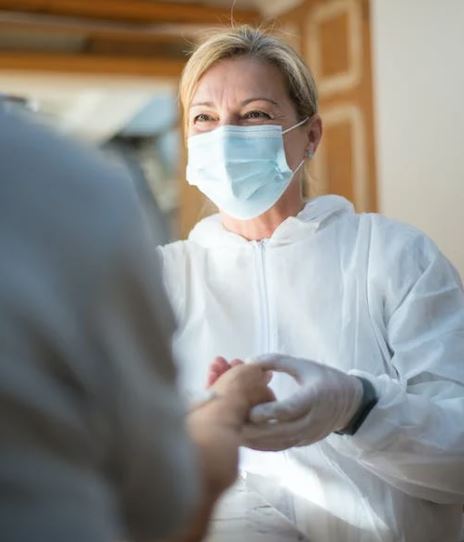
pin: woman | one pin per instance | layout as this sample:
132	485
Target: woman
365	313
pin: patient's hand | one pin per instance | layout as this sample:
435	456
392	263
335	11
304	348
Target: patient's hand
219	366
241	385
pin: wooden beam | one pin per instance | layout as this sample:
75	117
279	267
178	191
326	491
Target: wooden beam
43	24
135	48
88	64
140	11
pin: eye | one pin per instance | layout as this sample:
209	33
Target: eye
202	117
257	115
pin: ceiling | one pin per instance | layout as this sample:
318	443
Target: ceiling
265	7
93	65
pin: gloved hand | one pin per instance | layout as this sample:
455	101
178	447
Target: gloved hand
326	402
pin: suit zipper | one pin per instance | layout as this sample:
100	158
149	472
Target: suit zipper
264	344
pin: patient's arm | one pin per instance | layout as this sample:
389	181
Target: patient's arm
215	428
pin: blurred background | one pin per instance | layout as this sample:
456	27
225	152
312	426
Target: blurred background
390	75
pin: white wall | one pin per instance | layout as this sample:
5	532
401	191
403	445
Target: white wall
418	56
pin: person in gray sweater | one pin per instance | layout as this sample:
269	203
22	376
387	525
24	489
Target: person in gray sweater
94	439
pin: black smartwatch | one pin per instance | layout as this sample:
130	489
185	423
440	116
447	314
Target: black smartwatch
368	402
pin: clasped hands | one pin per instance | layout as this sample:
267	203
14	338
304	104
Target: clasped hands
246	412
326	401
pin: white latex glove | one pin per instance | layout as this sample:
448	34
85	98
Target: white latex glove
326	402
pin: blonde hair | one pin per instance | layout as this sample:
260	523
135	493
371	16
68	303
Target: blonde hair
258	44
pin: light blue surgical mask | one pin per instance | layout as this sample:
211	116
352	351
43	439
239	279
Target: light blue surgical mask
241	169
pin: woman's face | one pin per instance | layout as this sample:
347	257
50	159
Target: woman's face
244	91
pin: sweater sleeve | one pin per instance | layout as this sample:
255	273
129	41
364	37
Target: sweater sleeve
153	461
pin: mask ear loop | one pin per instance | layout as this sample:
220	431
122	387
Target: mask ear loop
298	167
295	125
308	154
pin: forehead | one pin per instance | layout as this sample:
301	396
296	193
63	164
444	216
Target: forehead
241	77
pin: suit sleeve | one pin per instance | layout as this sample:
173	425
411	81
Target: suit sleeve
414	437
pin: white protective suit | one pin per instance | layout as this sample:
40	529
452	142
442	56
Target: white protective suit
363	294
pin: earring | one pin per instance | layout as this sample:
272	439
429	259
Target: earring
309	154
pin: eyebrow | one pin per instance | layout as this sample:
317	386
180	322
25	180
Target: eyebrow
245	102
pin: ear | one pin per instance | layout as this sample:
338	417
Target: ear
314	135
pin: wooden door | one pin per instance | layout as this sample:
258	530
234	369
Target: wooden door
334	38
